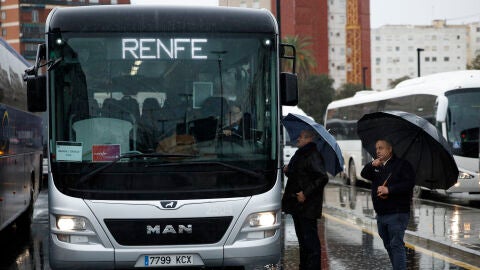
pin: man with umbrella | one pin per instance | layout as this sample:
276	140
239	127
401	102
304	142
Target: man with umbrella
303	197
393	180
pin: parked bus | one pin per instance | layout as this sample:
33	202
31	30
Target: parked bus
142	172
20	143
449	100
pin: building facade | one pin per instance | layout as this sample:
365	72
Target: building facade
395	54
324	23
22	22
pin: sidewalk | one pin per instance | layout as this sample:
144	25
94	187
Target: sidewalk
450	231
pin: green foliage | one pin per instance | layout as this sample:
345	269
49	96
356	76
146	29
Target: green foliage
348	90
394	83
305	62
315	93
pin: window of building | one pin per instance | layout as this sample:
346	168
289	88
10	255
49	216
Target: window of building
477	39
446	48
458	36
410	48
93	1
427	59
434	59
256	4
478	29
397	48
34	15
4	15
410	59
378	49
4	32
389	48
434	37
377	38
377	61
446	59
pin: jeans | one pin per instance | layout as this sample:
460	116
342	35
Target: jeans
391	228
308	241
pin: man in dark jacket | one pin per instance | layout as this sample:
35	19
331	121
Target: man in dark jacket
393	180
303	197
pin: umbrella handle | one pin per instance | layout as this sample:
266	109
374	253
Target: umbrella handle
384	184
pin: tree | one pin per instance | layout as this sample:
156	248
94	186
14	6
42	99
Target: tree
348	90
475	64
305	62
315	93
394	83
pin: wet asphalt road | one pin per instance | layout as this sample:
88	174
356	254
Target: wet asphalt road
345	244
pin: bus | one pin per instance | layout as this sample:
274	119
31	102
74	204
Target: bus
141	171
20	144
448	100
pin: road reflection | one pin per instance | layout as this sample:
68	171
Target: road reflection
345	243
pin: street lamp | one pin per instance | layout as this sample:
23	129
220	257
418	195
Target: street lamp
418	60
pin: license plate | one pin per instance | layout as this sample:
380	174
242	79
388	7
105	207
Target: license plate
168	260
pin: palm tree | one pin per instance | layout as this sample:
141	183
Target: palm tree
305	62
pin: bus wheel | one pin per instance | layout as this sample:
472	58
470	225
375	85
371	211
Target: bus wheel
352	173
417	192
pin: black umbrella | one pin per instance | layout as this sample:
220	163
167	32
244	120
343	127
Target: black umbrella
415	140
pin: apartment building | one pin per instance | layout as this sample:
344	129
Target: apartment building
22	22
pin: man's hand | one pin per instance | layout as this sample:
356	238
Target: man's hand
377	162
301	197
382	192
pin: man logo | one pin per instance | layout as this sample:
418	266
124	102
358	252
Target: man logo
168	204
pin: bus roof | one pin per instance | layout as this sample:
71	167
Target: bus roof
155	18
435	84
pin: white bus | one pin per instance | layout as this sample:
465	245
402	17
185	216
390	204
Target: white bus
141	173
449	100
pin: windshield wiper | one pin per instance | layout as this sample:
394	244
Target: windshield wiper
92	173
233	167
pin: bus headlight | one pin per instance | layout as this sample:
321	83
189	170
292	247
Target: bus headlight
69	223
262	219
75	230
259	226
464	175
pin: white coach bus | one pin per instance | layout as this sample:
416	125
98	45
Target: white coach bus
142	171
449	100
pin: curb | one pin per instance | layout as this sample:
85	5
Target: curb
460	255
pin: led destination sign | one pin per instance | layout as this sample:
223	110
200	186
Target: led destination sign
154	48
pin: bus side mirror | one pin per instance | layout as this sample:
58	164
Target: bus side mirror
36	84
288	80
442	106
36	94
288	89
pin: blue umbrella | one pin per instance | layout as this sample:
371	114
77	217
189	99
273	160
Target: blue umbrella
326	143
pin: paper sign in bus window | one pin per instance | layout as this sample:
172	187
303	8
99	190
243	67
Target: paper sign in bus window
105	152
69	151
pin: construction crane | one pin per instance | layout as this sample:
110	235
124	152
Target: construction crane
354	44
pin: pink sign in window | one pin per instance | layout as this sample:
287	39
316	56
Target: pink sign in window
105	152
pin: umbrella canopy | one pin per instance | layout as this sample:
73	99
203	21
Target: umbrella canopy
415	140
326	143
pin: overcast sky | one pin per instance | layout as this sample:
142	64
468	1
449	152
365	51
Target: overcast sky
417	12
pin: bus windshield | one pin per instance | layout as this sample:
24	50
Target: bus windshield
462	132
143	116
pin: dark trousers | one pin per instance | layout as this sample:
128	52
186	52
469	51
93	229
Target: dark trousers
391	228
308	241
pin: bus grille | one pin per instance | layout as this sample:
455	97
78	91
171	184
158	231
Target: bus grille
154	232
